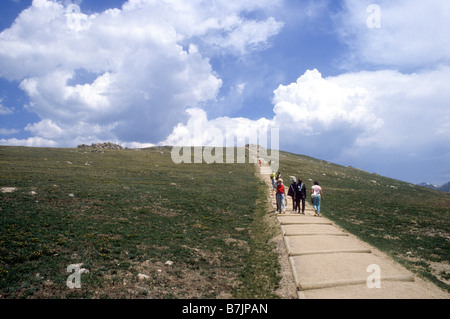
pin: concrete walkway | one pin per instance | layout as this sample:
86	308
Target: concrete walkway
328	262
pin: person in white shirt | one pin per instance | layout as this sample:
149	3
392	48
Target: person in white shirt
317	197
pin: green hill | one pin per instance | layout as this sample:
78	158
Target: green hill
144	227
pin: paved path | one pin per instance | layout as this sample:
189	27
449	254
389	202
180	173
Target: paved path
328	262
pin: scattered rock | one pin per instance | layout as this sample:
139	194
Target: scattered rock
169	263
142	277
84	271
101	146
8	189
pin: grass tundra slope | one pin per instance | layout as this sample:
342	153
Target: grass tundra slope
139	226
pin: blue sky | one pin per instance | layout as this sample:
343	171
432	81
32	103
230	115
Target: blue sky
344	81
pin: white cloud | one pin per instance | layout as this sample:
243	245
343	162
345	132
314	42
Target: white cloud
137	145
314	104
414	107
245	36
29	142
371	119
222	131
5	110
57	133
145	78
364	117
311	107
4	131
413	33
358	113
45	129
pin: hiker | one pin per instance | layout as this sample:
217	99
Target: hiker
281	197
316	197
300	195
274	182
278	175
274	186
292	192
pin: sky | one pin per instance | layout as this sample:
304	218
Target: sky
354	82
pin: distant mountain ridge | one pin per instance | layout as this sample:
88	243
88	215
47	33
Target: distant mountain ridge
443	188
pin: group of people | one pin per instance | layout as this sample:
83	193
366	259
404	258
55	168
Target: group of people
297	191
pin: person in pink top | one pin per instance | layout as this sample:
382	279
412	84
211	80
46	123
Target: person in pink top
281	196
317	197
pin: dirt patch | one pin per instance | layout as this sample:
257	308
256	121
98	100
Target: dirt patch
158	210
441	270
237	242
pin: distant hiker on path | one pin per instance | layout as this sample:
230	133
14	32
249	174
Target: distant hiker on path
300	196
316	196
274	182
278	175
281	197
293	193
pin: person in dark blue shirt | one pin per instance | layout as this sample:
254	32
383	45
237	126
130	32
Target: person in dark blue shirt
300	196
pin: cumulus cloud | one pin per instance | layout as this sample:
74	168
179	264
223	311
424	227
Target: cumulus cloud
148	62
410	34
381	119
218	132
314	104
364	117
312	111
408	105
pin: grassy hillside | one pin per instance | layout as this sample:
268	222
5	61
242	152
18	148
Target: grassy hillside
409	222
123	215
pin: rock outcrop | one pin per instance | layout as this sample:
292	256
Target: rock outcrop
102	146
